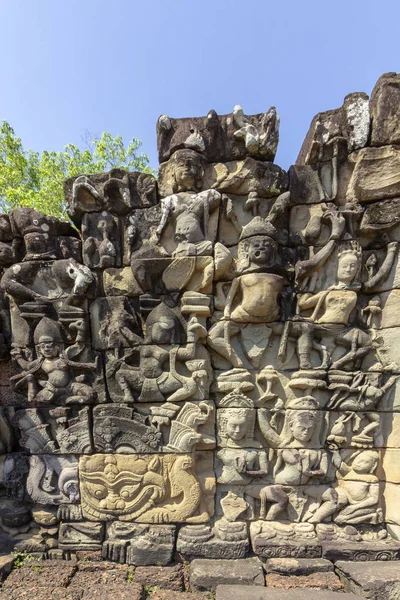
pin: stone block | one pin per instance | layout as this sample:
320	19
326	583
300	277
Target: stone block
121	282
64	476
297	566
207	574
361	552
166	578
244	592
39	575
6	564
375	581
384	103
375	176
239	177
115	323
127	591
139	544
350	123
172	595
116	191
220	137
313	581
226	540
81	536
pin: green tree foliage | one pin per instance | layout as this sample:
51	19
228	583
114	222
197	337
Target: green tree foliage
29	178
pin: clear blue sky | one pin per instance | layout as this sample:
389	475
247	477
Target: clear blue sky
67	66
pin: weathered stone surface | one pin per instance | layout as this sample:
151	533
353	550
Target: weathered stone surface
207	574
168	578
347	126
172	595
39	575
6	564
235	177
244	592
367	551
314	581
116	191
297	566
81	536
220	137
64	473
377	581
139	544
111	591
222	542
385	98
375	176
121	282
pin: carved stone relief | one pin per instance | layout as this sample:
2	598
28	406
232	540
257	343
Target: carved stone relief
210	361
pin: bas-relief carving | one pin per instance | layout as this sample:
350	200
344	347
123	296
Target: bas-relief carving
147	489
220	349
53	377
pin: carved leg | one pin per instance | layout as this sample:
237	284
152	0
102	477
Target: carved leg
330	503
279	499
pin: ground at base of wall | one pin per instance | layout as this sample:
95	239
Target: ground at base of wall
245	579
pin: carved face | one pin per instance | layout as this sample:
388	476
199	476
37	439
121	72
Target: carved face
302	426
237	425
187	171
260	249
188	229
366	462
48	348
115	485
347	268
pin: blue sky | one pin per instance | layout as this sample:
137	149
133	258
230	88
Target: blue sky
67	66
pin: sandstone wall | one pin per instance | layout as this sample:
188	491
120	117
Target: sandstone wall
209	363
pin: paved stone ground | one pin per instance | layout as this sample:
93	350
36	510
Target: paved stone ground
247	579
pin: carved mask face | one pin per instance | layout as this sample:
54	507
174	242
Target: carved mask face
237	426
114	485
302	426
347	268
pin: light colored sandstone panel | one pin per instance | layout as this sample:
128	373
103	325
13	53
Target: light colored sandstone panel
376	175
170	488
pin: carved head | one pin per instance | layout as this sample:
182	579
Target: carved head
187	168
48	338
302	425
301	420
48	348
366	462
257	245
236	426
349	265
163	326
